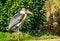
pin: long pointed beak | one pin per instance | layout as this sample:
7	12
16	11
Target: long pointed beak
29	12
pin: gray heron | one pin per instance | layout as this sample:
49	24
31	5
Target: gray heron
17	20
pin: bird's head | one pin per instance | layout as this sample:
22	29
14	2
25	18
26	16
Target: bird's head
25	11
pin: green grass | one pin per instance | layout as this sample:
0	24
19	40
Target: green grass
5	36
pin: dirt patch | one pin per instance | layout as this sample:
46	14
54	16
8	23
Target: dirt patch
45	40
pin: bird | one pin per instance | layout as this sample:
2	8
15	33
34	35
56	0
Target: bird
17	20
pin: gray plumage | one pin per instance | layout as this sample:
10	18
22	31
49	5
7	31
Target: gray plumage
18	19
15	20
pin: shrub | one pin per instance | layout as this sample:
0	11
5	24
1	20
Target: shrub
8	8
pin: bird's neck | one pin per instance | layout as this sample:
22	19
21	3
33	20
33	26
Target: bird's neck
22	12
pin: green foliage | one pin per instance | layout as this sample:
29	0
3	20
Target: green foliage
4	36
8	8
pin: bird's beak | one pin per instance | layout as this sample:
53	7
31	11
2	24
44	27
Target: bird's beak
29	12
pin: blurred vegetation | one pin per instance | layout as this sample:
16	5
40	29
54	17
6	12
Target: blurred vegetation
56	29
4	36
36	25
8	8
51	7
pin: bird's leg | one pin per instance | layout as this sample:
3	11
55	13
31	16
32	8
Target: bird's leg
18	32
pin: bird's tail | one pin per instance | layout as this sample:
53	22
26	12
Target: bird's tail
11	30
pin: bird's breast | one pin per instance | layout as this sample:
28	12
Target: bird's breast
22	20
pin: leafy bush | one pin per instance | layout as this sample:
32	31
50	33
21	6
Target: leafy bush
8	8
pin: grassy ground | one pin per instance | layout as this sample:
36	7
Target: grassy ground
5	36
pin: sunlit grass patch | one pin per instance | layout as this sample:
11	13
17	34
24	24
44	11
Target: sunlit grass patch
5	36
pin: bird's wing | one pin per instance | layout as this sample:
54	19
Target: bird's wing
16	19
